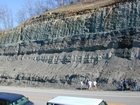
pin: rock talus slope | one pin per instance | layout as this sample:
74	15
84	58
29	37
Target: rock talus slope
59	49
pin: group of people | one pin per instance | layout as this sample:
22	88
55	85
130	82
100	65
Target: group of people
123	85
89	84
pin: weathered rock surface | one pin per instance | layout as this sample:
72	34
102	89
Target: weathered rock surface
60	49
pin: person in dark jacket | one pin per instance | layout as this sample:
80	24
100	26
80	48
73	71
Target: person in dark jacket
124	85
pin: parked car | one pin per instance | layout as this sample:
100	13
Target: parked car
67	100
14	99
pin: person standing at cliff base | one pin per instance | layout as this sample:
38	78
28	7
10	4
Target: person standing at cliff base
121	85
82	84
124	85
90	85
87	85
135	85
95	84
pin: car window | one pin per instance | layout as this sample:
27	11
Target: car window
103	103
53	104
49	104
20	101
4	102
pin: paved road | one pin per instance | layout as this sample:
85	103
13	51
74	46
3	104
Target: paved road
41	96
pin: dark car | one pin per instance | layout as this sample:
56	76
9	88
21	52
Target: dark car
14	99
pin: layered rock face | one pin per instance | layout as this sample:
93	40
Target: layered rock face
61	49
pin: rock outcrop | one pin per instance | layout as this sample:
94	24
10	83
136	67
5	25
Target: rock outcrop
58	49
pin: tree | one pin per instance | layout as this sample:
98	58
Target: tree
30	9
64	2
1	13
60	2
21	16
0	30
35	7
51	4
6	18
40	7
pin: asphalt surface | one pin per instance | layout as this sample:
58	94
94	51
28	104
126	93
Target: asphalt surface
40	96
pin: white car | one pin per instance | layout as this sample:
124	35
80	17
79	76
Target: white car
68	100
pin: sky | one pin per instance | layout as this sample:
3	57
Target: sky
14	5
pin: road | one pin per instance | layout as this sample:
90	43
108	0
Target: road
41	96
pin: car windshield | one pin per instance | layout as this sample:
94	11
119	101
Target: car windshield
20	101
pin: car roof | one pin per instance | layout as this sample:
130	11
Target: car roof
68	100
10	96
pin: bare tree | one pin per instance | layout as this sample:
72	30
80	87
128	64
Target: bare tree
65	2
21	16
60	2
40	7
1	12
35	7
6	18
29	7
0	30
72	1
1	18
57	3
51	4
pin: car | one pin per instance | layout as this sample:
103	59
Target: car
7	98
69	100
